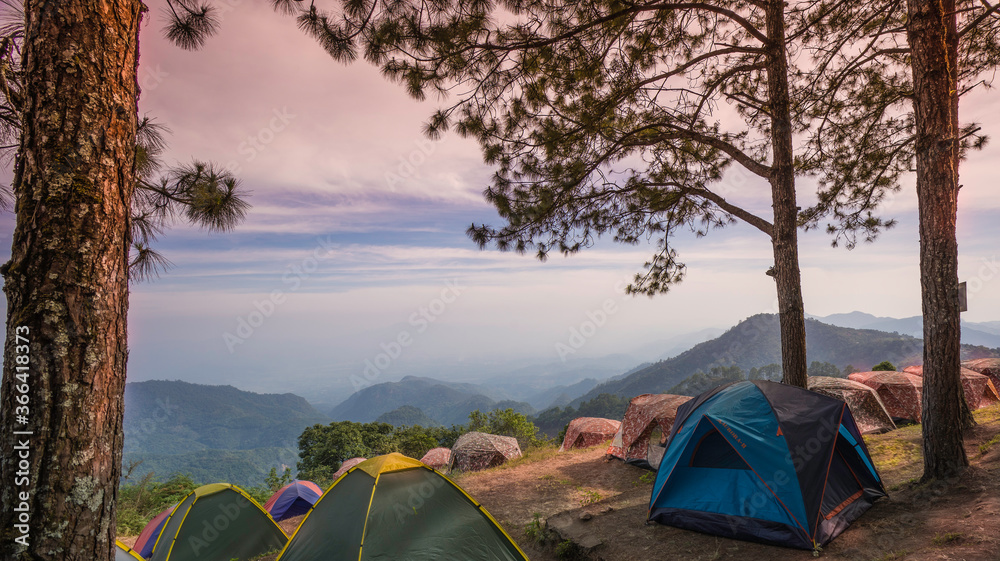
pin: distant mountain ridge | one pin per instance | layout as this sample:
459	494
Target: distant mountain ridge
756	342
447	403
985	334
174	426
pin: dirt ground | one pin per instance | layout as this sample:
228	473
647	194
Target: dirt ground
956	520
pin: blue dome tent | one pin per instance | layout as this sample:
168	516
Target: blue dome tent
765	462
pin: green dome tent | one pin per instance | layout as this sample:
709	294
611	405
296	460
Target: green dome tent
125	553
217	522
395	507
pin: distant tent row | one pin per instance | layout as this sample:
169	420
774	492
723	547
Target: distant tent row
866	406
900	392
388	507
989	367
979	389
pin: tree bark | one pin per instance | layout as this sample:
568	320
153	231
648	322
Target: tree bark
784	238
66	282
933	39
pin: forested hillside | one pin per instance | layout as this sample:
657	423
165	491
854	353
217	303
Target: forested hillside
755	343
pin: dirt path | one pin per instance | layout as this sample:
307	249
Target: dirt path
950	520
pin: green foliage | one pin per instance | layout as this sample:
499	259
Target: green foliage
322	448
985	446
848	370
140	501
701	382
770	372
817	368
645	479
535	529
950	537
245	468
568	550
506	422
275	482
885	365
589	497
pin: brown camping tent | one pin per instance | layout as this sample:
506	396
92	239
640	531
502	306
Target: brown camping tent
648	416
584	432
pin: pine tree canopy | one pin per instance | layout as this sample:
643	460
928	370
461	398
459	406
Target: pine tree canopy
625	119
200	192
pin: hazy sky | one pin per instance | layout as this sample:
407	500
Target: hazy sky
357	234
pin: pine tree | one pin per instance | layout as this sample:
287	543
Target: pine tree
887	82
85	190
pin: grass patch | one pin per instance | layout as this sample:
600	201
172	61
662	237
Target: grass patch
944	539
894	453
589	496
645	479
987	415
568	550
985	447
535	530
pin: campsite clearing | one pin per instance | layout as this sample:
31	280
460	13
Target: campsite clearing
950	520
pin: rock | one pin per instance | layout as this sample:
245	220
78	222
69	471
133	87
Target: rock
569	527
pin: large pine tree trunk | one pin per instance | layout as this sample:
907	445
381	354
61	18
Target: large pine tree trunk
933	41
66	282
784	238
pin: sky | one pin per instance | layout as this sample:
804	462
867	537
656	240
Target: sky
355	252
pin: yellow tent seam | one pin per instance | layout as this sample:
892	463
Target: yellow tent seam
179	526
128	550
364	531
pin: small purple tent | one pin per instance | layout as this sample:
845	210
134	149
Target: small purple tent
293	499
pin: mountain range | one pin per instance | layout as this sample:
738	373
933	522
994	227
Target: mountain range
447	403
220	433
986	334
756	342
